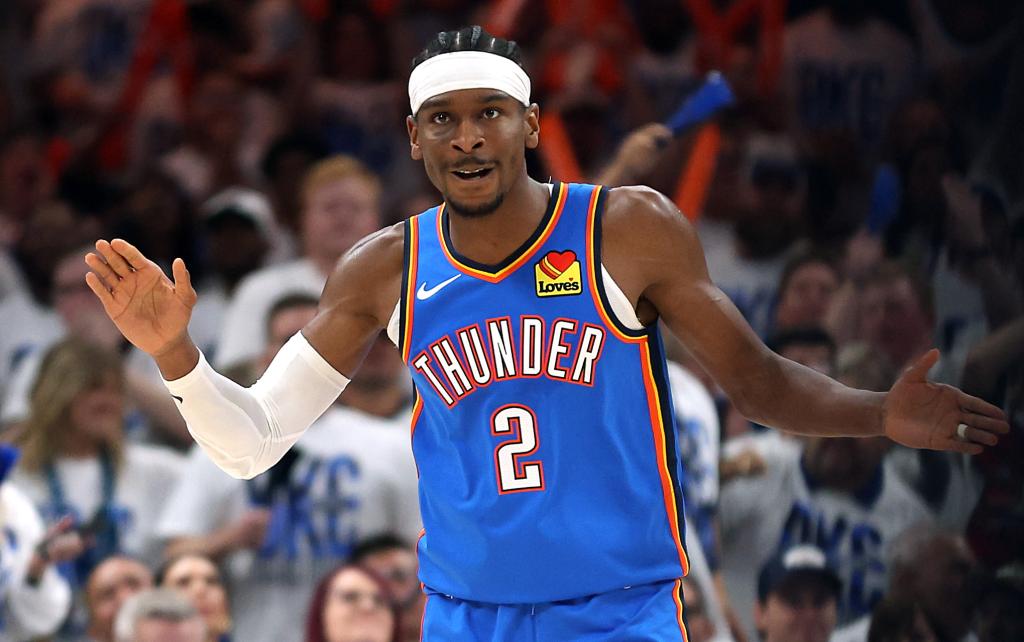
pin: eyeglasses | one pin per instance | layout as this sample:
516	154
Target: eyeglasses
355	598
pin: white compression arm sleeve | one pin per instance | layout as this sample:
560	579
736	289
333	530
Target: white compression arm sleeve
247	430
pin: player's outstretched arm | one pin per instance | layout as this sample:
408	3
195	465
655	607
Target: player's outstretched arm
659	256
247	430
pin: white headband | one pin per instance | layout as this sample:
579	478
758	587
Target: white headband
467	70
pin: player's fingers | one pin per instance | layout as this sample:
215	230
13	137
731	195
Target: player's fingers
988	424
131	254
982	407
980	436
111	256
99	288
183	281
100	267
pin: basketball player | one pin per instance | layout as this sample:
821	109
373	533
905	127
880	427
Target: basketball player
526	313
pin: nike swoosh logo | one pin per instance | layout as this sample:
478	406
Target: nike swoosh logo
424	293
180	400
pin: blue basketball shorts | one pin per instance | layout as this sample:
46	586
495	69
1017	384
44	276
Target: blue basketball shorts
647	613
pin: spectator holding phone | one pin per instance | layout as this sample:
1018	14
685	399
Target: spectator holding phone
34	599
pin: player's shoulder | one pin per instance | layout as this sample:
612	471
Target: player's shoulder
641	222
637	210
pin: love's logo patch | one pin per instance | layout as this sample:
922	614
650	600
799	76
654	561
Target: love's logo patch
558	274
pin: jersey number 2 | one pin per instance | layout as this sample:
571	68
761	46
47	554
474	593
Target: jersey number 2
514	474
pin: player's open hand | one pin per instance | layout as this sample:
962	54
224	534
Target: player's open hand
149	309
921	414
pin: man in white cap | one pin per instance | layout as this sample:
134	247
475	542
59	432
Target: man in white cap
797	593
527	314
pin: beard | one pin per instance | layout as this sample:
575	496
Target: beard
474	211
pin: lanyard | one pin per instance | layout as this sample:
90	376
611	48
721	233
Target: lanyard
100	528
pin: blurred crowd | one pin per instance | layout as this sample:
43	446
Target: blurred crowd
861	202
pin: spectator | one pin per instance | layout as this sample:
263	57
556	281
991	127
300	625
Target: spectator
240	231
199	579
76	461
340	205
159	615
111	584
34	599
897	316
352	476
806	288
350	604
394	562
797	594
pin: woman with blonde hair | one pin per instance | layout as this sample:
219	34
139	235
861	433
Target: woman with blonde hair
75	460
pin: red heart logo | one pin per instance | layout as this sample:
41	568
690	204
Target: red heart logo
561	260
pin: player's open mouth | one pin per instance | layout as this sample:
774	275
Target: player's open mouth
472	174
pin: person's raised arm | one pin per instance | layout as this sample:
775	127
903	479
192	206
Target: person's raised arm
246	430
658	254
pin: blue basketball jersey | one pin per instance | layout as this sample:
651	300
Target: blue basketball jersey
542	428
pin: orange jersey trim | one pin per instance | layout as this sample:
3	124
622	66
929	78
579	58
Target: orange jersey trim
658	429
410	287
677	591
496	277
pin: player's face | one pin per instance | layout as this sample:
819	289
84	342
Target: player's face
804	613
472	144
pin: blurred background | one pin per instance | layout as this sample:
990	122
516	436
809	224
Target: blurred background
861	201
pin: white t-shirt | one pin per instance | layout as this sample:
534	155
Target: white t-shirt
141	487
761	515
244	329
26	612
353	477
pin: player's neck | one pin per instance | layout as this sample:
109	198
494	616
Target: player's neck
492	238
